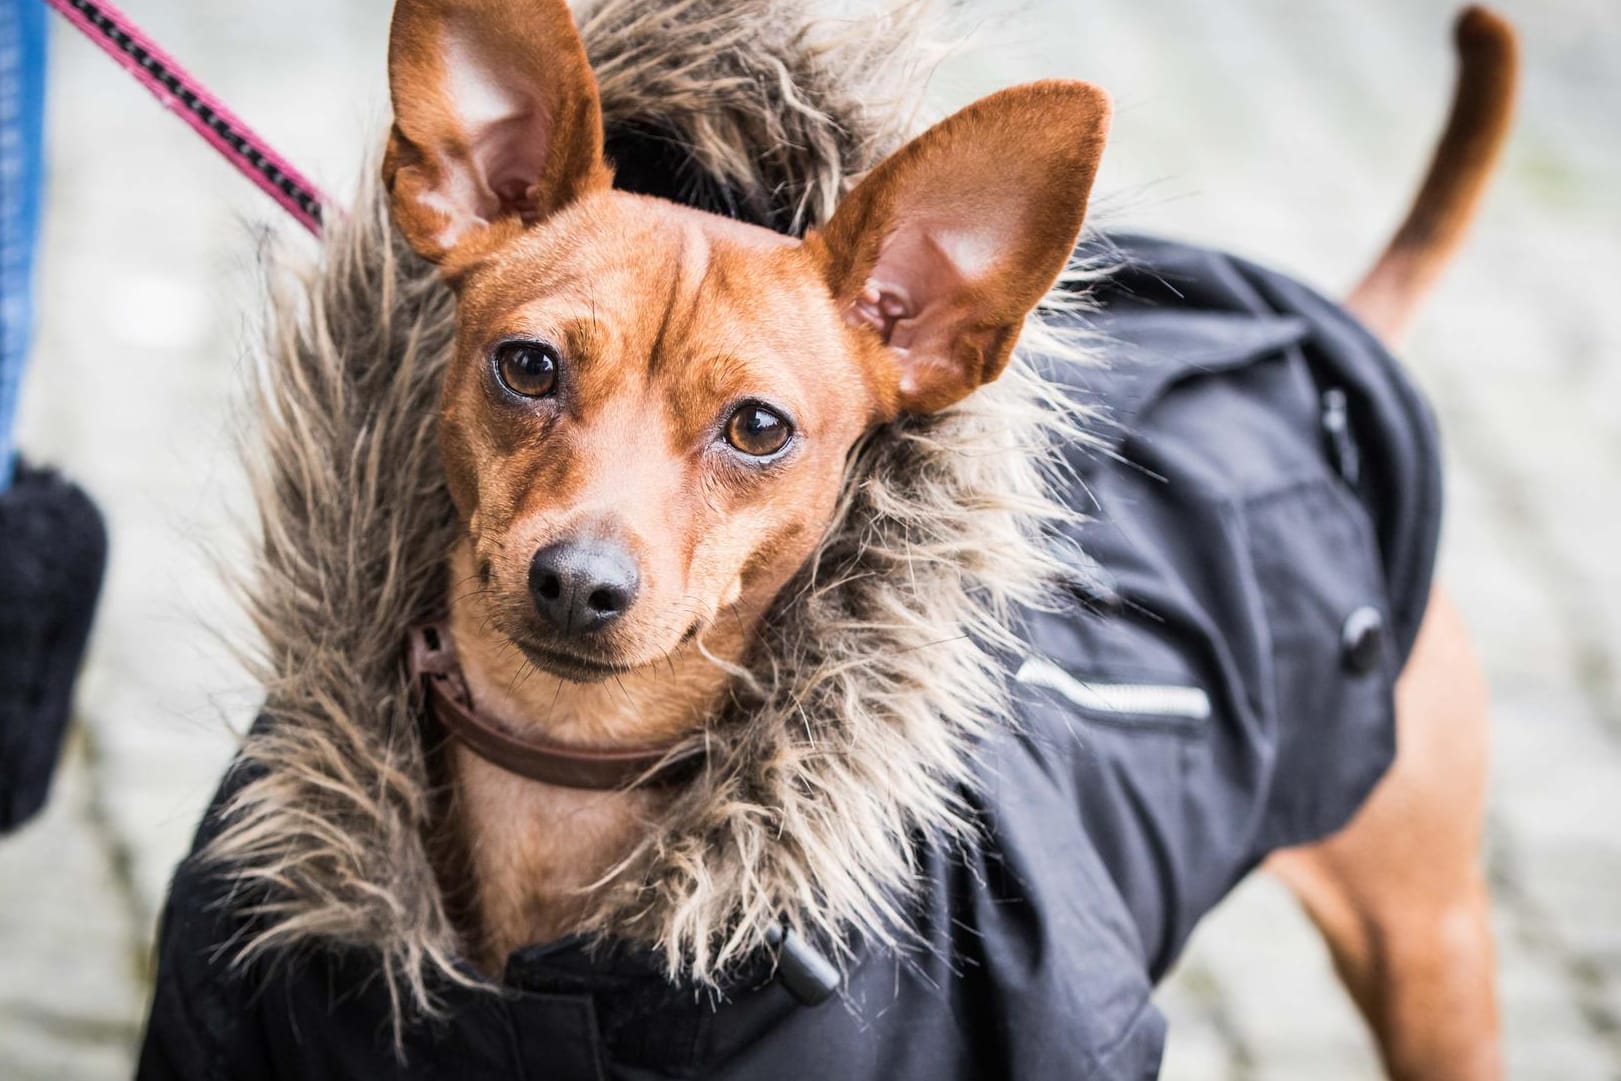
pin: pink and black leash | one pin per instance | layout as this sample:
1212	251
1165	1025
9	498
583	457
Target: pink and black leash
806	973
187	98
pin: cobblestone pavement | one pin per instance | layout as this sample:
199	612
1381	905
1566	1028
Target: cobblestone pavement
1290	132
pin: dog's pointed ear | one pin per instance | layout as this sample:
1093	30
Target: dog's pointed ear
946	246
497	122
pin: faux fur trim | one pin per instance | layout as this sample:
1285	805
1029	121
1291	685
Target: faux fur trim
782	108
850	730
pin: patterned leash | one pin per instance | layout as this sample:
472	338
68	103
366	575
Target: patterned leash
183	95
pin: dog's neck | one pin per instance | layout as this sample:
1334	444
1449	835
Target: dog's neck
537	851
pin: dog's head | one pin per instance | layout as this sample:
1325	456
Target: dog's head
647	418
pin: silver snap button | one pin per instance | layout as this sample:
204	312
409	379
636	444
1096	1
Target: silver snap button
1362	640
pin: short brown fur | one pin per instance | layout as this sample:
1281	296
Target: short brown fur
1388	296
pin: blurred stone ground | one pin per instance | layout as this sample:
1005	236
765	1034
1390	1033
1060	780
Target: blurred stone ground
1289	132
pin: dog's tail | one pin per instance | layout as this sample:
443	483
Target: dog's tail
1482	106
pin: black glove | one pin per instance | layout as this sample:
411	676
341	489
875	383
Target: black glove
53	549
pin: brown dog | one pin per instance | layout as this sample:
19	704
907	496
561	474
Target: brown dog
647	421
646	426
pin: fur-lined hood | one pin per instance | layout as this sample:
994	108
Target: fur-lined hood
851	732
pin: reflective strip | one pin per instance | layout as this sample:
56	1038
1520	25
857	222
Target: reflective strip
1140	699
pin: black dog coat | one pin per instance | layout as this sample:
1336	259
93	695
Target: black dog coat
1264	502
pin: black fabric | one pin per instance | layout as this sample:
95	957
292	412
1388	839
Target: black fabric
53	549
649	160
1232	535
1016	940
1228	549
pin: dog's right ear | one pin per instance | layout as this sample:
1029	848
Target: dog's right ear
496	123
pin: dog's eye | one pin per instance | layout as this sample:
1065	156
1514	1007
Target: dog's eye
526	369
757	431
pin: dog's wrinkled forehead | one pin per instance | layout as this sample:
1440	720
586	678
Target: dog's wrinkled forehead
640	296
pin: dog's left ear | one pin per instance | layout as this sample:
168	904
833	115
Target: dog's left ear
497	122
946	247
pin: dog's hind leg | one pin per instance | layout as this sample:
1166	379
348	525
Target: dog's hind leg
1400	893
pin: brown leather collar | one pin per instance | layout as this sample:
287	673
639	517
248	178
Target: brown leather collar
448	702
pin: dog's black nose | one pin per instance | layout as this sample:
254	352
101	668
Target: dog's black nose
581	586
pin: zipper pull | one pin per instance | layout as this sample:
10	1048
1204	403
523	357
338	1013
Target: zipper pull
806	974
1341	441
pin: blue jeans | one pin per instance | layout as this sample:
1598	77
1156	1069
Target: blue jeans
22	122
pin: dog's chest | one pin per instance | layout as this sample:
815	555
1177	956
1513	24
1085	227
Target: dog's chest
538	853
